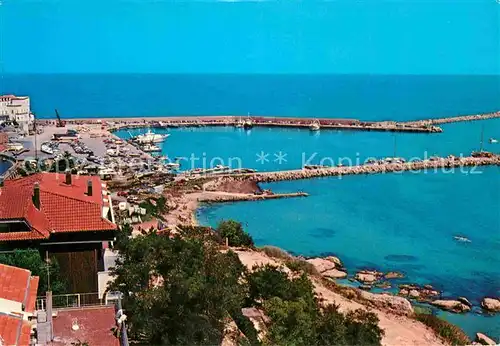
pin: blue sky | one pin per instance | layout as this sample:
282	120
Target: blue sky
372	36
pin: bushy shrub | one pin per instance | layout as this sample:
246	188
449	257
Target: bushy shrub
451	333
299	264
297	318
234	233
276	252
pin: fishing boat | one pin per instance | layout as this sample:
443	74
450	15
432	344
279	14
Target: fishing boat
151	137
493	140
315	126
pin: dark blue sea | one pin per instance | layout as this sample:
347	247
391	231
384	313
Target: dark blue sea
367	97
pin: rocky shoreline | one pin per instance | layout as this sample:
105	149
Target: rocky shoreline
331	267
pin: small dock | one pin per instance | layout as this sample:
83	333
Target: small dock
221	197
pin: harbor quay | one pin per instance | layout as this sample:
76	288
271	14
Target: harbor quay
263	121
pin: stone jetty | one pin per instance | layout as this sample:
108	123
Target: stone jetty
456	119
430	164
221	197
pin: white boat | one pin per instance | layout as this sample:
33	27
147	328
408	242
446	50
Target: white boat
248	124
493	140
315	126
150	137
462	239
45	148
151	148
240	123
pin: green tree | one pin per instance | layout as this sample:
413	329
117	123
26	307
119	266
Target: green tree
233	231
30	259
297	318
292	322
178	291
269	281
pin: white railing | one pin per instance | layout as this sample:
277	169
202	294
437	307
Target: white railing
74	300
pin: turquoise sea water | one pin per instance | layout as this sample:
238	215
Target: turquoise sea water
207	147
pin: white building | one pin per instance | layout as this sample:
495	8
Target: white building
16	108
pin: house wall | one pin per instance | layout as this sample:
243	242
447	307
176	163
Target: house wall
80	269
16	108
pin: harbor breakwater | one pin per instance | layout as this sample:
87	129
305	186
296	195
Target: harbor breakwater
462	118
424	125
431	164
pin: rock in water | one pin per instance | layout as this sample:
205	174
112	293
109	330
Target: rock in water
491	304
321	264
336	260
414	293
394	275
366	277
451	305
484	339
334	273
464	301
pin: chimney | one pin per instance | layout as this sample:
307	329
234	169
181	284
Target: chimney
89	187
68	177
36	195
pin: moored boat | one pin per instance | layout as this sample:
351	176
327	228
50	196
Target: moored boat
150	137
151	148
315	126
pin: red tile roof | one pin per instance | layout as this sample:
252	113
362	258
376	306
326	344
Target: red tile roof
94	324
63	208
14	282
14	331
18	285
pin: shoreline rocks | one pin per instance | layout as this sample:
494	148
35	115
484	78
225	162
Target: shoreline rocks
400	305
334	274
394	275
329	267
483	339
425	293
451	305
368	277
491	304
